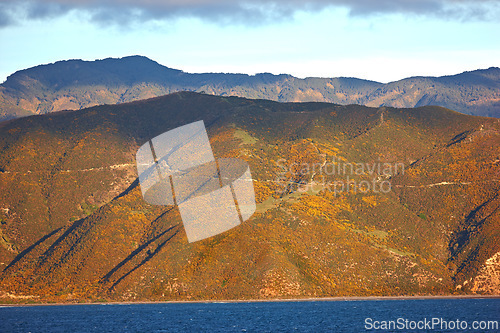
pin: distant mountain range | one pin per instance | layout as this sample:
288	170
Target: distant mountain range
77	84
75	228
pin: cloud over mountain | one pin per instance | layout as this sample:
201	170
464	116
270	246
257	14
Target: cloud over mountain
123	12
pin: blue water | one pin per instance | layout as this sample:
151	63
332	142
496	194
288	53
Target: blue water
300	316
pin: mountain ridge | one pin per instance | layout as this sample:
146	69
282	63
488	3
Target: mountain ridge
76	84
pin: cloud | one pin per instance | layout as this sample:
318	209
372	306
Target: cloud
124	12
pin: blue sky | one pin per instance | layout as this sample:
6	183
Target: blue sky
379	40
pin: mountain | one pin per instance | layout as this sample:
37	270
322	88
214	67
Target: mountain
420	215
77	84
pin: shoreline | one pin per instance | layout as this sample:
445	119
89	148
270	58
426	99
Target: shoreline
311	299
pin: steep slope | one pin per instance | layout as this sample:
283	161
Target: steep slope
420	216
76	84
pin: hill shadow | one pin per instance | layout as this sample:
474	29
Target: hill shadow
25	252
108	276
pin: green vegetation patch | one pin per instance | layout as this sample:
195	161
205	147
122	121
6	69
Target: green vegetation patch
244	136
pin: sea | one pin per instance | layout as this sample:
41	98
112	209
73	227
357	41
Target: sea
381	315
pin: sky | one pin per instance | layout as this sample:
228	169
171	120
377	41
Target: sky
384	40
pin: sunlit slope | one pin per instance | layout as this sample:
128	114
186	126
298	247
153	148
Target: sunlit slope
75	227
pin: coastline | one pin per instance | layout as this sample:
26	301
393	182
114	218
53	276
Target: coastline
311	299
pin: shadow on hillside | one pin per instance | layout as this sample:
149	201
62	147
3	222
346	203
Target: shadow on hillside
75	225
106	278
25	252
472	222
134	184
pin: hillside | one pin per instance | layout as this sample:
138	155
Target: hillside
74	226
77	84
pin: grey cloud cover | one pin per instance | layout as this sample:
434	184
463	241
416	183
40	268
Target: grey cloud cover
123	12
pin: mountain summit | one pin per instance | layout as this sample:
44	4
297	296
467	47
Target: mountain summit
77	84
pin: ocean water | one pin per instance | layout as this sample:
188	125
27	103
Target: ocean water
293	316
